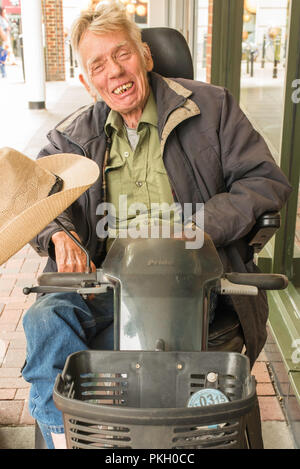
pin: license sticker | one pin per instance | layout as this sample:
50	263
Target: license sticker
206	397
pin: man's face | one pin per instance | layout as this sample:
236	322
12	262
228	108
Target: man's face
117	72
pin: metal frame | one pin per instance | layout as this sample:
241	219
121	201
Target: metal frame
284	317
182	16
227	44
284	260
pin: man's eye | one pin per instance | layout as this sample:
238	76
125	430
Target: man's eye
98	68
123	54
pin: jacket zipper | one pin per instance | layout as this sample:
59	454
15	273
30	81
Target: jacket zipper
193	175
164	123
185	157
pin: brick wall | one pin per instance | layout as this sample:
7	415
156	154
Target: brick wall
54	39
209	41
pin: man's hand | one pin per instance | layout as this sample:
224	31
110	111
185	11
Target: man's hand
69	257
191	234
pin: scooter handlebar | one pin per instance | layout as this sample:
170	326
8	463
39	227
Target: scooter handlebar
66	279
261	281
82	283
233	283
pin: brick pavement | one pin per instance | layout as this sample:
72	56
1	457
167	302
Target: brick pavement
22	269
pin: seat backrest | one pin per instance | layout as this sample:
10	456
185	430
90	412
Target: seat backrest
170	52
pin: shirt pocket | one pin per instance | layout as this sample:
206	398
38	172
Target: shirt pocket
161	184
113	177
115	161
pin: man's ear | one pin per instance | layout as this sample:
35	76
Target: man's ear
87	87
148	57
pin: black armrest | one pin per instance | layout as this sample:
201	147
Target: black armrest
263	230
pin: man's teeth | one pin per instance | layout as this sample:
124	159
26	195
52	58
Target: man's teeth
123	88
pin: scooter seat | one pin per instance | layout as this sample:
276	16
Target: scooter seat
225	332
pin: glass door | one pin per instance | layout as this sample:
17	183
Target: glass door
203	43
263	67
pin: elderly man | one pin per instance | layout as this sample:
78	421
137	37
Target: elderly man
155	140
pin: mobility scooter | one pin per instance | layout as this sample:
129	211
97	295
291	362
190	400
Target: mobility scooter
167	384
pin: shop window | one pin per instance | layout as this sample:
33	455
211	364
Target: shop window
137	9
263	68
203	52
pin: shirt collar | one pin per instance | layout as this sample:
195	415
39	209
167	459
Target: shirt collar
114	121
149	115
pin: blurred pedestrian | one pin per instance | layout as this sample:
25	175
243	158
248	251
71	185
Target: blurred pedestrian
4	24
10	59
3	56
3	39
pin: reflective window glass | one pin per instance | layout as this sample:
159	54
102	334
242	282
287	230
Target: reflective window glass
203	42
264	51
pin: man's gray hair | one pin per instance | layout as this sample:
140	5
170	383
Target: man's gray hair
105	19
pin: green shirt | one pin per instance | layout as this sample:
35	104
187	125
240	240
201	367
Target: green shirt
136	172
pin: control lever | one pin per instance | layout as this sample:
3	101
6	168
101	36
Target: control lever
236	283
228	288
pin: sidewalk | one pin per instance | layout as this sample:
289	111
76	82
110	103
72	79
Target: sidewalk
25	130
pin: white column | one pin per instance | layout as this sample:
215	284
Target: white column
158	13
34	61
176	15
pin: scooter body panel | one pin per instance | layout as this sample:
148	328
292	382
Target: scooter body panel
162	292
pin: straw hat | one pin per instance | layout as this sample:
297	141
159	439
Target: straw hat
33	193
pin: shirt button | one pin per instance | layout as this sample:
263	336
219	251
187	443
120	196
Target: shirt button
126	154
139	183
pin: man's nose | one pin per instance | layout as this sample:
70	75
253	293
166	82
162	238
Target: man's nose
115	68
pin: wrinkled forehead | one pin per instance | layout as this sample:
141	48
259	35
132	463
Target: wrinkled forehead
94	45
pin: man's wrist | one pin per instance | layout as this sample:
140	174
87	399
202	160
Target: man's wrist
57	236
61	235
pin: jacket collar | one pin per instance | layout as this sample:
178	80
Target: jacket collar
173	106
85	125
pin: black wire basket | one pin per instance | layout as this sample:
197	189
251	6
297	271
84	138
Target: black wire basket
121	400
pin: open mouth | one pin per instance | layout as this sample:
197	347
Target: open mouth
123	88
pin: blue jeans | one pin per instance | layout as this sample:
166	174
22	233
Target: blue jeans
2	70
55	326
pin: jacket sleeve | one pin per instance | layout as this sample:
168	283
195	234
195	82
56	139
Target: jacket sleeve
254	182
42	243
